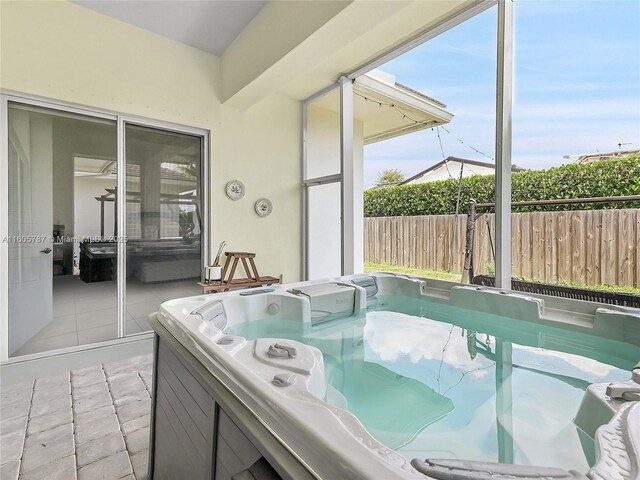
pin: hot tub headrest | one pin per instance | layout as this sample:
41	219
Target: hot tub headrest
328	301
453	469
212	312
369	284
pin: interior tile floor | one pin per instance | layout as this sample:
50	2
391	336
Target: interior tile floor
86	424
86	312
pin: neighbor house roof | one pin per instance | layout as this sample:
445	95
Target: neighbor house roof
599	156
466	161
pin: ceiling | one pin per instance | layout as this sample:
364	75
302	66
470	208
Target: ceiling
210	25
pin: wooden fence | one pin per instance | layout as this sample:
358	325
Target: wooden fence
592	247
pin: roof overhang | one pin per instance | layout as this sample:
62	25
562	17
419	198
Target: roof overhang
387	109
299	48
410	111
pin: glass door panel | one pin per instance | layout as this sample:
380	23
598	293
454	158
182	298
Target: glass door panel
164	220
323	187
324	231
62	257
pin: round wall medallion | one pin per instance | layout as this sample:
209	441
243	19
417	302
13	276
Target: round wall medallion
235	189
264	207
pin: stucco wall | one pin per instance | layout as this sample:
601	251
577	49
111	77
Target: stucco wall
66	52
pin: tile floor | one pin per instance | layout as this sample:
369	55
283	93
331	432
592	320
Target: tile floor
86	312
86	424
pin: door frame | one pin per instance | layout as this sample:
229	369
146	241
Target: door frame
122	120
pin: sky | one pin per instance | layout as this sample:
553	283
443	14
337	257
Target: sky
576	87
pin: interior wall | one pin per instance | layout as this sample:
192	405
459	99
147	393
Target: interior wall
86	209
63	51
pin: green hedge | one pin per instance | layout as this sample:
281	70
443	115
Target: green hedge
599	179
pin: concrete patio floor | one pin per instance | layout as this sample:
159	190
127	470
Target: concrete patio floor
86	424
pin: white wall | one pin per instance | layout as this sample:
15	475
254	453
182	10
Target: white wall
62	51
86	215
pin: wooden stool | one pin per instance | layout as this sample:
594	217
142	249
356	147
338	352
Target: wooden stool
253	278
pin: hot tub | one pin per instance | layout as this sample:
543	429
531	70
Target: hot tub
383	376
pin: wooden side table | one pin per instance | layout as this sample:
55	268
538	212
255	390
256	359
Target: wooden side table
253	278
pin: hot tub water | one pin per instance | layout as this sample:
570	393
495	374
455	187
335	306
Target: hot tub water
432	380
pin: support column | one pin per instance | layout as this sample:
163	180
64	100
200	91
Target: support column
348	185
504	101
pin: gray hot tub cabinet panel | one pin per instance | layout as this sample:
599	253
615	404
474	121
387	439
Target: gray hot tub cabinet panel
183	421
192	436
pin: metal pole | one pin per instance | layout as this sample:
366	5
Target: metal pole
504	100
467	272
568	201
4	228
121	228
304	254
453	248
347	184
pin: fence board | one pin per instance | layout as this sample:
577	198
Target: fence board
607	272
578	264
563	257
516	233
537	246
433	256
550	242
625	247
526	241
592	247
636	281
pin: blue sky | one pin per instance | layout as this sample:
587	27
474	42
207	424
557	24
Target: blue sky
577	86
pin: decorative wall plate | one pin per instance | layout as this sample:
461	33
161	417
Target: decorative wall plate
263	207
235	189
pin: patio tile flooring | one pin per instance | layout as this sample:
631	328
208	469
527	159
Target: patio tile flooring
86	424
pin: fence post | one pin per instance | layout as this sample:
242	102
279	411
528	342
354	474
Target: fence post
467	272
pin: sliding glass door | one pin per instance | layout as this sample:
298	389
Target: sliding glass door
164	220
59	162
75	275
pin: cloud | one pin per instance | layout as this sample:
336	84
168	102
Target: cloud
574	92
393	335
584	364
593	109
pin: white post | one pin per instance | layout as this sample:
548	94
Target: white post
304	213
504	100
348	186
121	202
4	229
